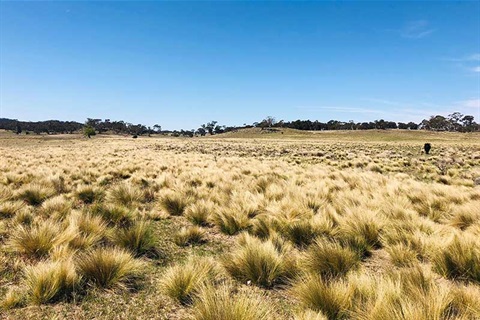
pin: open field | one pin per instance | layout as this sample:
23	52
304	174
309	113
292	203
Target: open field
246	225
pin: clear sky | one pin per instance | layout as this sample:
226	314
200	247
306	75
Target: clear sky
181	64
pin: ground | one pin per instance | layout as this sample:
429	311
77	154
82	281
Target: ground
374	193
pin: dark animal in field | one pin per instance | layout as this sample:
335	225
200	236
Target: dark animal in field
135	137
427	147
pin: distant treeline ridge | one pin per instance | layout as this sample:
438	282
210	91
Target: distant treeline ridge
453	122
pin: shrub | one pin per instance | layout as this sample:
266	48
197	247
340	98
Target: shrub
181	282
258	262
49	281
89	131
330	259
459	259
108	268
138	239
218	303
190	235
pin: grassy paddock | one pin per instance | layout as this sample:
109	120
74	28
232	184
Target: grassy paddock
246	225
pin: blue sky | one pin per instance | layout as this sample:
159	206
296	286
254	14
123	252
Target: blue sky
181	64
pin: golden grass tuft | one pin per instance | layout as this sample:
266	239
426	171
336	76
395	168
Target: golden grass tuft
50	281
89	194
231	221
199	212
139	239
259	262
174	203
10	208
309	315
361	231
331	298
113	215
57	207
14	298
219	303
401	255
182	281
459	259
330	259
109	268
34	194
189	236
125	194
35	241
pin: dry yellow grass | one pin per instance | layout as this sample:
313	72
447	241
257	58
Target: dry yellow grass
376	227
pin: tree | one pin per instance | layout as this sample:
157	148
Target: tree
157	128
454	120
439	123
380	124
468	123
201	131
89	131
270	121
412	125
94	123
18	128
210	127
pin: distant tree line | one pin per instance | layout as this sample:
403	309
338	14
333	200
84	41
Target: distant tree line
121	127
48	127
453	122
